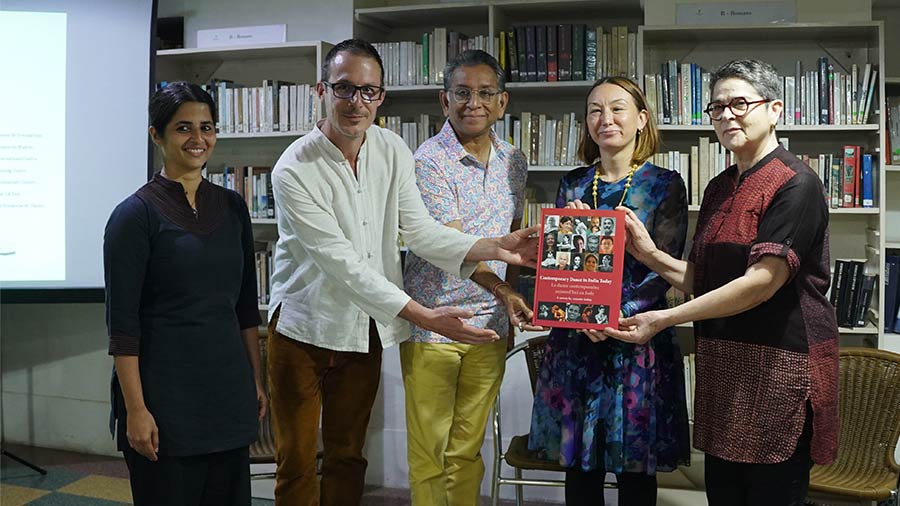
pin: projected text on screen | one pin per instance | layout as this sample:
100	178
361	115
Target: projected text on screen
33	146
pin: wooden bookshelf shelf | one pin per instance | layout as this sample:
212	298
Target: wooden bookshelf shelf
869	329
856	210
800	32
264	221
892	168
892	244
851	210
262	135
815	129
412	16
242	53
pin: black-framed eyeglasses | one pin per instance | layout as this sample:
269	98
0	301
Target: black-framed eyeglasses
463	95
739	106
346	91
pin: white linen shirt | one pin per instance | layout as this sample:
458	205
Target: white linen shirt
337	260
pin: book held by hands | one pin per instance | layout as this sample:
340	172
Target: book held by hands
579	275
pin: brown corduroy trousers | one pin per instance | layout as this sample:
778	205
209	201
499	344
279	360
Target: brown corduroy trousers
304	382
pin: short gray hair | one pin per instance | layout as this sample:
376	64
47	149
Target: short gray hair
758	74
471	58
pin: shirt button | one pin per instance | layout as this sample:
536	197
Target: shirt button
370	255
359	190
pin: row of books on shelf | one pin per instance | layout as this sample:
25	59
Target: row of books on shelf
567	52
264	268
851	292
275	106
824	96
892	291
544	139
411	63
252	183
414	133
849	179
892	153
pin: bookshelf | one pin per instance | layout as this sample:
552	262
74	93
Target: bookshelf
393	23
854	232
292	62
892	197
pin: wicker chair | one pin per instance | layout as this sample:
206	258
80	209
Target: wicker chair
518	456
869	391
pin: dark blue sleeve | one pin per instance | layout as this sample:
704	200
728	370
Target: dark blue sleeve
668	231
247	307
126	251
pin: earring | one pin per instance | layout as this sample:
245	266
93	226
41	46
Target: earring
772	127
640	131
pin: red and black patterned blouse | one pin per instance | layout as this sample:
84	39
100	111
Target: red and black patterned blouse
757	369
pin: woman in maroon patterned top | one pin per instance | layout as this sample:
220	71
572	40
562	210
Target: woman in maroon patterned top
766	335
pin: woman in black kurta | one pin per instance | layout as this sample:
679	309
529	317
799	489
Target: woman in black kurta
182	316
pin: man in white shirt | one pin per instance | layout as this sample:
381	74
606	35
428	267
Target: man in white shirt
343	193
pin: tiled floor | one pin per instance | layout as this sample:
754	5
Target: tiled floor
75	479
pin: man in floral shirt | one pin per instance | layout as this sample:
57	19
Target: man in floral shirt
472	181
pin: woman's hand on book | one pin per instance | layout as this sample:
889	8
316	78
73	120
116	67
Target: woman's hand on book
638	329
637	241
577	204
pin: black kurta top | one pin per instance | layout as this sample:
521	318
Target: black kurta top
179	289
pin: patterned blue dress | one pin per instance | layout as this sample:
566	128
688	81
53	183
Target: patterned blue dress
613	405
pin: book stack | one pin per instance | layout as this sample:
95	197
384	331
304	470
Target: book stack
414	133
415	63
545	139
252	183
275	106
824	96
849	179
704	162
567	52
678	94
892	153
851	292
264	268
892	292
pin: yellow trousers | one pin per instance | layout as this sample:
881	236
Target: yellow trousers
450	389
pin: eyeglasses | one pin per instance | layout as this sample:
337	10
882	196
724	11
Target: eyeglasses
346	91
739	106
463	95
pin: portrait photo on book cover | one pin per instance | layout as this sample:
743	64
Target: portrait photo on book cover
578	283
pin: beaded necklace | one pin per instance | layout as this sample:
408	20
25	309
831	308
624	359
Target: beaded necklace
631	172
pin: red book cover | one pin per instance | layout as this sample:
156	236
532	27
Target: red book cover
850	174
579	277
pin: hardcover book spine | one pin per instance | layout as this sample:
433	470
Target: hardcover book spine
552	63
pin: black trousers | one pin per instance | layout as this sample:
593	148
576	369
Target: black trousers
782	484
214	479
585	488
